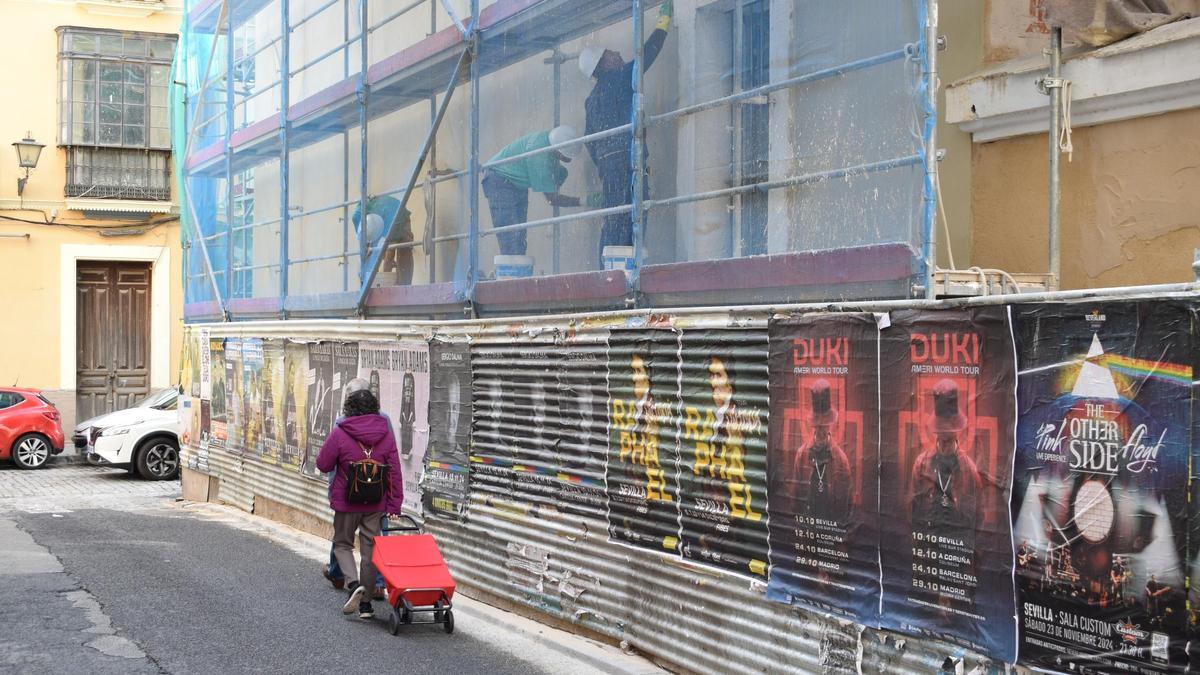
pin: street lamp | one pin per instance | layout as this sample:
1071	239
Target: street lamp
28	152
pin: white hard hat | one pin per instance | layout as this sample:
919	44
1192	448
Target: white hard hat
564	134
374	229
589	58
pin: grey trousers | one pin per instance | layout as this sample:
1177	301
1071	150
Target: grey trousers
367	526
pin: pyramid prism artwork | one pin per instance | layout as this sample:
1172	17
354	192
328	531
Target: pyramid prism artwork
1095	380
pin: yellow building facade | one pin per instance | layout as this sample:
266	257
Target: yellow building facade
89	246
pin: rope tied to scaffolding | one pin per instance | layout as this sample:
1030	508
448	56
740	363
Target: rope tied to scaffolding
1064	135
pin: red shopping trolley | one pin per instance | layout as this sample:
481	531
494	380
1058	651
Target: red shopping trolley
417	579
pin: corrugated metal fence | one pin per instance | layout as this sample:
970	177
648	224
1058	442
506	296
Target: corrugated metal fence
537	534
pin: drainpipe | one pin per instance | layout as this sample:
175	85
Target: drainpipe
1053	86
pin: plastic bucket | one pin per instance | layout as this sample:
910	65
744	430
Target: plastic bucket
618	258
513	266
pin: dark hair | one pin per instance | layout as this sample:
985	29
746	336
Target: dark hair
360	403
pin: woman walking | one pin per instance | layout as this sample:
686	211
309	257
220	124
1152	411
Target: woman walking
367	485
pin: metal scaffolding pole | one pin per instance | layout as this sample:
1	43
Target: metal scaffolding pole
371	265
186	196
637	154
735	126
363	94
229	262
346	154
473	177
929	254
1054	86
284	154
431	172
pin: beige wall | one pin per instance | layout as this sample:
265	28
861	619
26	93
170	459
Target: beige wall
960	21
32	268
1130	207
30	83
1014	28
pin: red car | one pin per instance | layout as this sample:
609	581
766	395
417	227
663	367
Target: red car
30	428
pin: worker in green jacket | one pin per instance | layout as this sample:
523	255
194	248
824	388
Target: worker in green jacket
507	185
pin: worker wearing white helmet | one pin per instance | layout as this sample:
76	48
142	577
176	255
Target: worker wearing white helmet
610	105
507	185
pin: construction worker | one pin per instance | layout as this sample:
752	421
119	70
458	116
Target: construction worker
610	105
507	186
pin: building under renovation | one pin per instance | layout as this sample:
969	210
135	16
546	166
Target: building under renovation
662	301
413	101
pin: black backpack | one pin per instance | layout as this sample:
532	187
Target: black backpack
367	480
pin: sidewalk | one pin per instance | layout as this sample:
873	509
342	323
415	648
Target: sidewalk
552	649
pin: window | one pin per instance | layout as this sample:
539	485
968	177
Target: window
117	173
8	399
755	117
243	235
113	112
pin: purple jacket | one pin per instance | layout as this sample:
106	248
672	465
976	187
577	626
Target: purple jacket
342	447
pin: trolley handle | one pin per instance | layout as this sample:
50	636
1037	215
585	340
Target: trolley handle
414	526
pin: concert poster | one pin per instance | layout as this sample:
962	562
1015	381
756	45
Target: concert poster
948	415
185	405
398	375
203	384
216	437
531	399
448	464
235	385
331	366
202	402
643	406
188	398
1101	484
583	437
823	460
273	415
494	429
295	412
1193	604
252	396
722	449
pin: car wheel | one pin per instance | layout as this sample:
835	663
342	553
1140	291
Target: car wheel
159	459
31	451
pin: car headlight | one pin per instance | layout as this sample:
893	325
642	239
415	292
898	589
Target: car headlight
115	431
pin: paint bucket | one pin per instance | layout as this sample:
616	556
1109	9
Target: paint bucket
618	258
513	266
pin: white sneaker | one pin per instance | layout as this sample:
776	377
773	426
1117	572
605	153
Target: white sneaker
356	597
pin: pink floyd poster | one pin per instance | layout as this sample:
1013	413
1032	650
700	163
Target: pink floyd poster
948	416
823	460
1101	481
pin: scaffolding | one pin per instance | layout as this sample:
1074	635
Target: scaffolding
778	152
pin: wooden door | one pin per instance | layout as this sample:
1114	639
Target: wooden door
112	336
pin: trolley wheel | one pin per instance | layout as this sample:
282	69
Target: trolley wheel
394	623
448	626
406	616
438	616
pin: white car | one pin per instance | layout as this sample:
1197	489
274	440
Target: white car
144	438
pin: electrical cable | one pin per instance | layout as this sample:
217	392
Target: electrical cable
937	184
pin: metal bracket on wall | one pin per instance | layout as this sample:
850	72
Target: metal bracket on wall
1045	84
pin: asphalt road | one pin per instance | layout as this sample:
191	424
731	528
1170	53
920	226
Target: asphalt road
143	584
